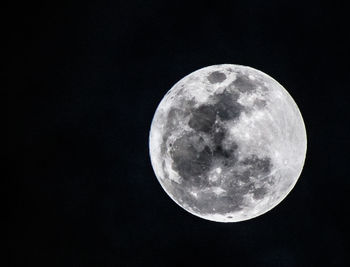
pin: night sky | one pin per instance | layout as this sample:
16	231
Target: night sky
84	80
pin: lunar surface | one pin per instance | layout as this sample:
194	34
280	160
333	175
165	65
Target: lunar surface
227	143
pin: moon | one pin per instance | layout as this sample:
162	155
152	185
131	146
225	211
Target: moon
227	143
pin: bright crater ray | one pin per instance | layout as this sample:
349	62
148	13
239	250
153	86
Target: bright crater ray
227	143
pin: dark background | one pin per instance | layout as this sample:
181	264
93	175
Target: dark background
85	79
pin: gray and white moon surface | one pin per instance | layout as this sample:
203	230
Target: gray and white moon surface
227	143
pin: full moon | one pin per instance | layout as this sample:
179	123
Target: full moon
227	143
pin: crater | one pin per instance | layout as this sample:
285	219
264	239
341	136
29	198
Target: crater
257	165
260	103
244	84
224	153
216	77
191	158
202	118
259	193
227	106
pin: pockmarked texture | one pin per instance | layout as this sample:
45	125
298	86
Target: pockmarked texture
227	143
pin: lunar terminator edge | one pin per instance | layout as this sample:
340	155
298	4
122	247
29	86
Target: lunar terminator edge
227	143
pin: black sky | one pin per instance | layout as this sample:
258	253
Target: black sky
85	78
